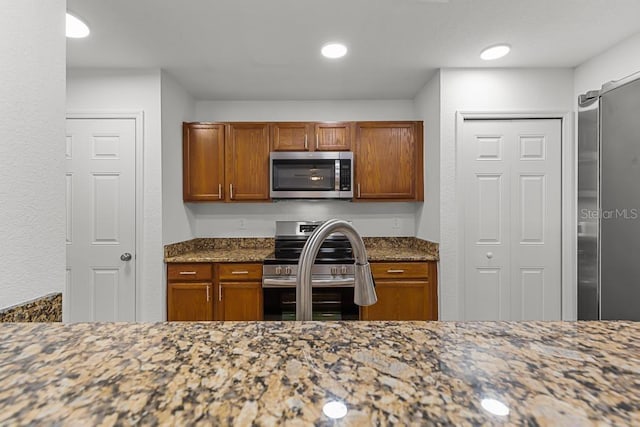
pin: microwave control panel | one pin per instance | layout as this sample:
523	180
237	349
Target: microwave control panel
345	175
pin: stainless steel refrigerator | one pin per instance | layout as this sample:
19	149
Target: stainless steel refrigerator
609	202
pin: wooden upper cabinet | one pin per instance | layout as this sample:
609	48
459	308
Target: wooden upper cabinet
247	162
333	136
203	162
292	136
388	161
300	136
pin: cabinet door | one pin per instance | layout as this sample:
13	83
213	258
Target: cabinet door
202	162
333	136
290	136
400	300
247	161
189	301
386	307
239	301
388	161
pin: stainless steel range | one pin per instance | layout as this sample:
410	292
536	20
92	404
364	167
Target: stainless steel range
332	276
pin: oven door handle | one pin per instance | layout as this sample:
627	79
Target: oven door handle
318	283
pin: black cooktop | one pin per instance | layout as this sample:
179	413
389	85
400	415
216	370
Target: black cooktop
272	260
336	250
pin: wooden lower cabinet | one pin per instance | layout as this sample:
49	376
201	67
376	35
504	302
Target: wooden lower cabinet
189	301
406	291
239	293
220	291
233	291
239	301
190	292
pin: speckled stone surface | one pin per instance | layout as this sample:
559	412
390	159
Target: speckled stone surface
283	373
400	249
45	309
257	249
220	250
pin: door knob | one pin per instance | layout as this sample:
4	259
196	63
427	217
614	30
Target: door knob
489	255
125	256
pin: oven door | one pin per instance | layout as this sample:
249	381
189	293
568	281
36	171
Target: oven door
327	303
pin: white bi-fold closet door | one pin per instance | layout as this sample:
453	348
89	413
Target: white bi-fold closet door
511	172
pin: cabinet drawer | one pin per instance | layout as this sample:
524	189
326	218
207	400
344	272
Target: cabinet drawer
237	272
400	270
184	272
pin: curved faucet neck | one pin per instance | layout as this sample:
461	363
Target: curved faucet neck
364	292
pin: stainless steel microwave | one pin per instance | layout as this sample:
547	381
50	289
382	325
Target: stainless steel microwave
311	175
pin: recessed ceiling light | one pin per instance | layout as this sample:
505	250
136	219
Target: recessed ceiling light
76	29
334	50
495	52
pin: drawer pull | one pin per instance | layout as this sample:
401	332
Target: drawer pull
240	272
187	273
395	271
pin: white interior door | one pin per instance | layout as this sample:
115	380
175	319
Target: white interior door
100	219
511	170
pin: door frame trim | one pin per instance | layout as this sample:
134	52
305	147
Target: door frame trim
138	117
569	237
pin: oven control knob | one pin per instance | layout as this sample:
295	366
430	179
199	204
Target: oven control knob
343	270
334	271
279	271
287	271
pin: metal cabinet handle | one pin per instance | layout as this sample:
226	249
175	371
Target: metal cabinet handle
231	191
208	297
358	190
240	272
317	142
395	271
219	191
126	256
187	273
219	292
305	142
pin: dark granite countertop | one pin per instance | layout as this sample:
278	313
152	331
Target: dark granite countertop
267	373
257	249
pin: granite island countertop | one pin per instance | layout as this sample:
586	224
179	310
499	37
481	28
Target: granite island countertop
271	373
379	249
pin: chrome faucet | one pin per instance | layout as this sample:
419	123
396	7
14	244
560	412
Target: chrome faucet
364	291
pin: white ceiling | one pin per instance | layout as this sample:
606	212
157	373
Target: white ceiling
270	49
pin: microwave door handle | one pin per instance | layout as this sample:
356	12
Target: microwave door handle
336	184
